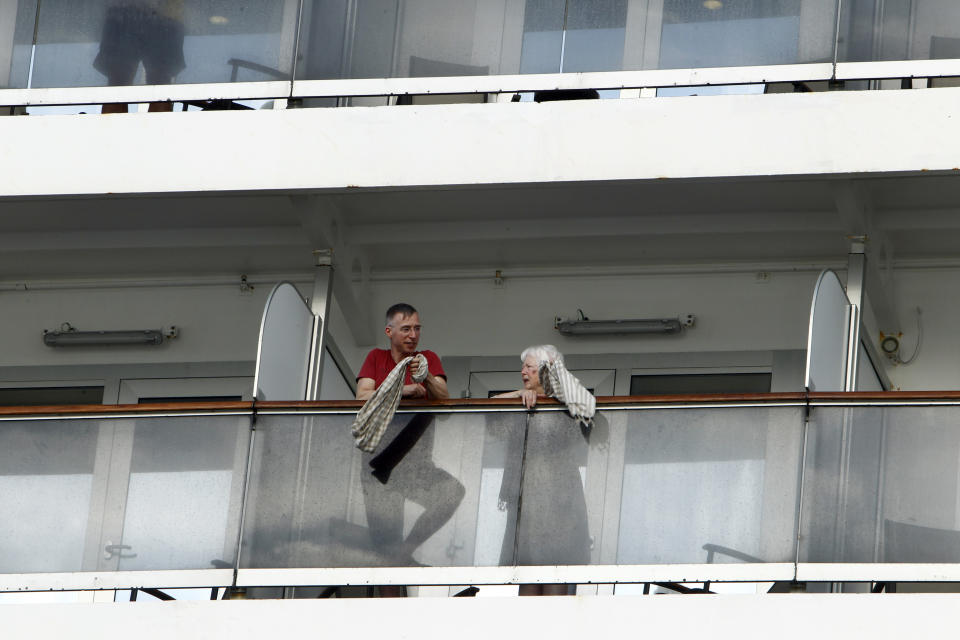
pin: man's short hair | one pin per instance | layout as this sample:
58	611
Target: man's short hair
404	309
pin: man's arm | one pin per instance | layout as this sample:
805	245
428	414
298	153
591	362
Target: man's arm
436	381
436	387
365	388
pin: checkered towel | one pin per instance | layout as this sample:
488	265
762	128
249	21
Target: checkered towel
561	384
378	410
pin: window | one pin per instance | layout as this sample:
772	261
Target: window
660	384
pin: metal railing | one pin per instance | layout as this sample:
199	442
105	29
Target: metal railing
44	45
777	487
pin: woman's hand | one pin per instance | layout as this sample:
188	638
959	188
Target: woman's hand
528	397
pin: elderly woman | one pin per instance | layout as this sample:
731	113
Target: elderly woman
552	522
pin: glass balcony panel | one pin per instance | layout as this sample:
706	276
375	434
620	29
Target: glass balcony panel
124	42
121	494
553	521
705	485
542	36
46	493
595	35
899	30
432	493
881	485
728	33
506	488
185	491
17	18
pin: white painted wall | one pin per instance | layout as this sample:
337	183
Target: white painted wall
734	313
504	143
216	323
731	616
937	293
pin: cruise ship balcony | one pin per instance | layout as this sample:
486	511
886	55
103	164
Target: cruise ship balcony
508	167
762	488
663	494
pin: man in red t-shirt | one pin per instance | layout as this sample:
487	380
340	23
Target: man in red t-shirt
403	330
403	467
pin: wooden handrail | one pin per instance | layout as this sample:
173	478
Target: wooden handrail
174	408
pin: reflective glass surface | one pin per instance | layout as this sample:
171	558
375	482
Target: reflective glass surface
120	494
47	495
594	37
17	18
185	491
881	485
528	489
641	486
121	42
380	39
696	34
432	493
899	30
705	485
471	37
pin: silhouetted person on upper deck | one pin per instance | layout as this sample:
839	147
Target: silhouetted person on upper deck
135	31
403	468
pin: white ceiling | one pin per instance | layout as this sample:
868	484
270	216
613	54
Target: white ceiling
673	222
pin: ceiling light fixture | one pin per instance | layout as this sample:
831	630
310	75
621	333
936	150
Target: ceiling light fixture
68	336
585	326
713	5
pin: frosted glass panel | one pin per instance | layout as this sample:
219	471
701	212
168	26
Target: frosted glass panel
638	487
882	485
100	42
431	494
333	386
286	332
553	524
46	475
745	32
16	37
542	43
595	35
827	335
702	480
184	494
900	30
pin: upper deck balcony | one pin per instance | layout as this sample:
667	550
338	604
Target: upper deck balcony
59	44
357	53
766	488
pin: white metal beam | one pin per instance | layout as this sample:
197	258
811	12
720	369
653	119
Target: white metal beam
551	81
181	238
322	222
801	617
10	582
580	574
145	93
639	225
855	209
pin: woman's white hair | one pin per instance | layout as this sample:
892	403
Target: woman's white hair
542	353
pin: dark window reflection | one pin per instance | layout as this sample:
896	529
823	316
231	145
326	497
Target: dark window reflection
899	30
642	385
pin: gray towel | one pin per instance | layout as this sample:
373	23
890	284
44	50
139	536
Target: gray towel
378	410
561	384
